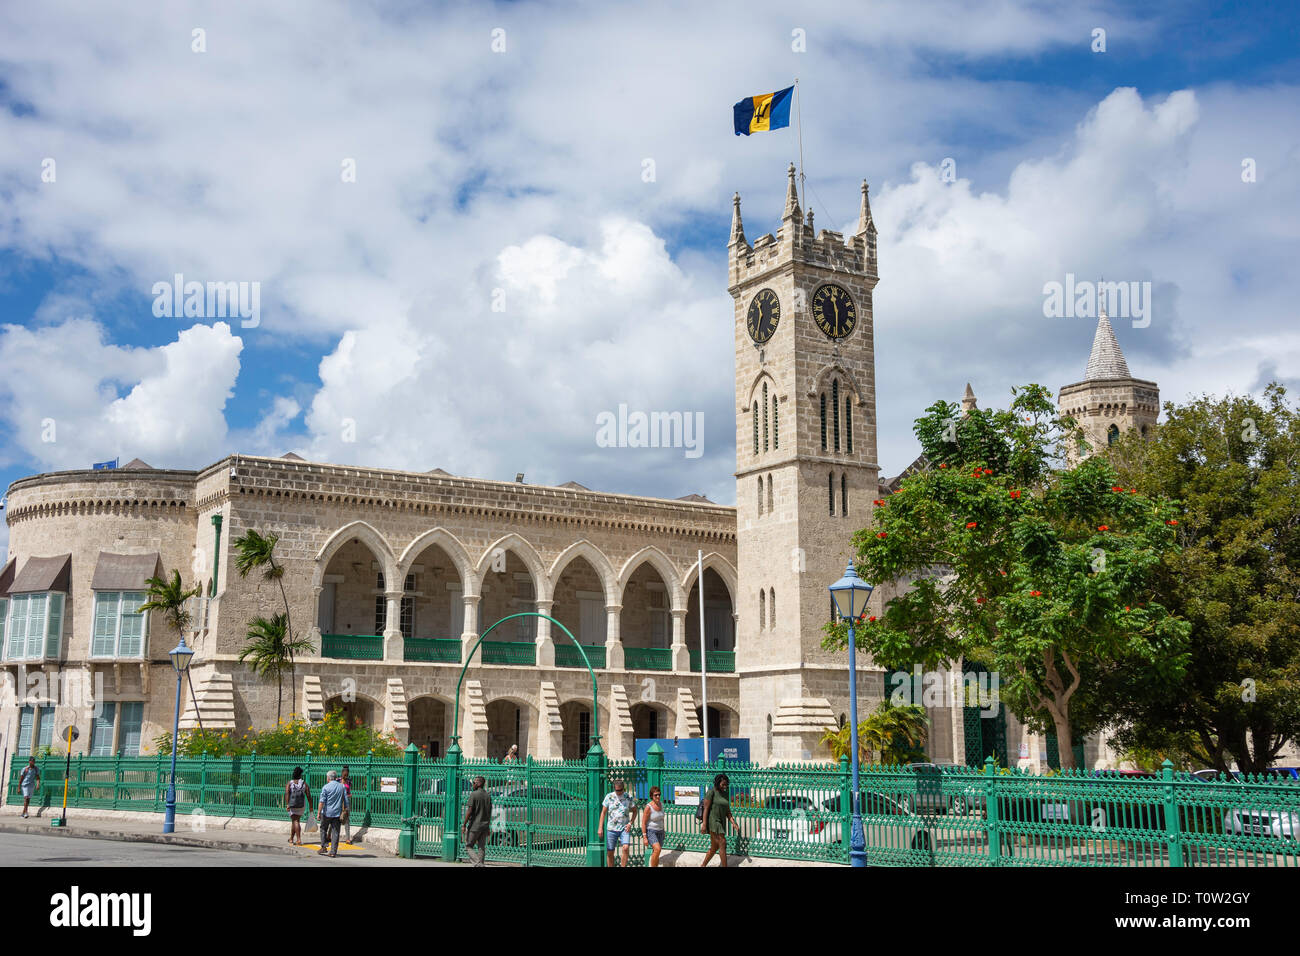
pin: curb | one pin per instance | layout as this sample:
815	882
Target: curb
124	836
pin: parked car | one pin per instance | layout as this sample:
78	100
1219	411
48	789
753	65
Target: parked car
796	816
931	798
557	816
1263	821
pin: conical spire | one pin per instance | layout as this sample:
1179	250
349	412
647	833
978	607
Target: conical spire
1106	360
737	227
864	215
968	399
792	210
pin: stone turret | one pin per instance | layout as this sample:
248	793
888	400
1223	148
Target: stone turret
1109	400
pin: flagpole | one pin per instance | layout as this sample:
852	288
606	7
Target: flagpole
704	660
803	198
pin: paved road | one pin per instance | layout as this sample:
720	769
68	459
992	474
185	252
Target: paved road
23	849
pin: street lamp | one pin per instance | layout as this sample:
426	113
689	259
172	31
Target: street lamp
850	594
181	657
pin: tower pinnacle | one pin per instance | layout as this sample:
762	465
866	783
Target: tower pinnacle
792	210
737	227
1106	360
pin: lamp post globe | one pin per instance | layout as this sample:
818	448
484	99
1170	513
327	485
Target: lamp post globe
181	657
850	594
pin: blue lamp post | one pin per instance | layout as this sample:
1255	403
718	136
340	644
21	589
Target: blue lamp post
181	656
850	594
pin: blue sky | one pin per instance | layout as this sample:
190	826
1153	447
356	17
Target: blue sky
518	177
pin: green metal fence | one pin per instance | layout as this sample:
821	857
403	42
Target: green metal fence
431	649
568	655
509	652
648	658
721	662
545	812
357	647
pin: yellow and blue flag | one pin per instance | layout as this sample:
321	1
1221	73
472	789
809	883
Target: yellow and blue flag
767	111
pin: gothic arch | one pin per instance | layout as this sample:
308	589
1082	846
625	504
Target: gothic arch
445	540
596	558
835	368
723	569
364	533
660	562
526	553
755	388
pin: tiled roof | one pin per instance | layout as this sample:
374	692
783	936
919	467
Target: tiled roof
1106	360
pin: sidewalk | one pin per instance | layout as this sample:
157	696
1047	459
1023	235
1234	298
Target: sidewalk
212	833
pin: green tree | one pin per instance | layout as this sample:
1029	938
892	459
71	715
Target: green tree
256	552
1235	463
270	651
1000	553
170	598
893	734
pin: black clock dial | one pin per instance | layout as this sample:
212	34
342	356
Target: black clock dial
764	314
833	311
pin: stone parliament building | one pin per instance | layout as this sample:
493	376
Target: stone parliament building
395	574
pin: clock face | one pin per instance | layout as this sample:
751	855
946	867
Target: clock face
833	311
764	314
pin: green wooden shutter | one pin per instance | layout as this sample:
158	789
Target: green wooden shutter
24	744
104	637
16	641
36	615
6	628
54	625
131	642
132	721
44	726
101	731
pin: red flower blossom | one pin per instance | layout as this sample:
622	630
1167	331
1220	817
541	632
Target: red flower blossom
1132	491
883	534
1015	494
943	464
873	617
979	600
1035	593
1126	607
1103	527
1116	488
970	524
1172	521
1003	573
878	502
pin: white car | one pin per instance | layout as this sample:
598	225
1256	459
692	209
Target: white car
1279	824
795	816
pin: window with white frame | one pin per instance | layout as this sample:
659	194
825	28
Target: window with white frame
120	629
35	626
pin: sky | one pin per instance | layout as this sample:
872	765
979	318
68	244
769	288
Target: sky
473	229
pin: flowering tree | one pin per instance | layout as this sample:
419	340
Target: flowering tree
1000	554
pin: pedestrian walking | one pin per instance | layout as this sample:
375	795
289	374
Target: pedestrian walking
652	824
347	807
477	822
28	780
333	801
717	814
297	798
617	809
512	755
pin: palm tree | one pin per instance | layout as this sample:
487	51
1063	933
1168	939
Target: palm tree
895	733
270	651
170	598
257	552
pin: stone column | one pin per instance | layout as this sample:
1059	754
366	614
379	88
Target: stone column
469	634
681	656
392	626
545	642
314	635
613	642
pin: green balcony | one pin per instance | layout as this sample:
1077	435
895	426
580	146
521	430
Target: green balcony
519	653
648	659
568	655
353	647
720	662
431	650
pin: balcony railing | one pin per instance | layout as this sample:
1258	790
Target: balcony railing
720	662
355	647
567	655
648	659
509	652
434	650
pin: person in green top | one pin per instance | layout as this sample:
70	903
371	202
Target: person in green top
717	813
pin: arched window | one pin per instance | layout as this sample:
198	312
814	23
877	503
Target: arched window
848	424
771	609
823	421
844	495
765	416
760	495
830	485
776	430
1112	434
835	401
762	608
756	428
770	497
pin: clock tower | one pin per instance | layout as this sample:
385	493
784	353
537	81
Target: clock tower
806	469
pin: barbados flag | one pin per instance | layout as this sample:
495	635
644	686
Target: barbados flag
758	114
